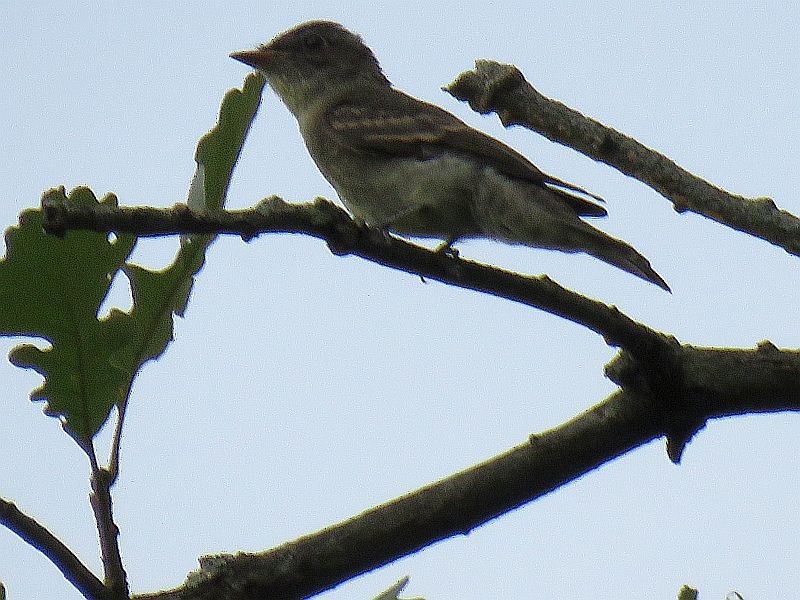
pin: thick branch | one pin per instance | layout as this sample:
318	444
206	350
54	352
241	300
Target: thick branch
455	505
500	88
707	383
54	549
460	503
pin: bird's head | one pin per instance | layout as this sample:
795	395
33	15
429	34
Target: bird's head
311	59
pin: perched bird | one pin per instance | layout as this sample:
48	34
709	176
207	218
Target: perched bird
412	168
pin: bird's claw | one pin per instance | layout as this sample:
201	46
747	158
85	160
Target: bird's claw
447	249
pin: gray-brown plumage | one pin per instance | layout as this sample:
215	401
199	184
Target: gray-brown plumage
415	169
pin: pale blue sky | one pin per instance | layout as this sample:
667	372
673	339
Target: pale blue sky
303	388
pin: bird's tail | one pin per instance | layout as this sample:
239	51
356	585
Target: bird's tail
538	216
618	253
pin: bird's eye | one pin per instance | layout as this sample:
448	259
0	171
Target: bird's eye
314	42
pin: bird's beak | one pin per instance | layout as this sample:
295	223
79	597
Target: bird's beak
260	58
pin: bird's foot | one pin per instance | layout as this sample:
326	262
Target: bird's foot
447	249
375	233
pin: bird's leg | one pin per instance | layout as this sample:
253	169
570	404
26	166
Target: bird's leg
446	247
384	233
377	231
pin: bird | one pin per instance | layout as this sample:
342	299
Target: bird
414	169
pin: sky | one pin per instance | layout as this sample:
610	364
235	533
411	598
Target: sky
303	388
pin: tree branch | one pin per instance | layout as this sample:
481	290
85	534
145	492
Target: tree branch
652	363
326	221
116	581
667	389
501	88
54	549
459	503
697	384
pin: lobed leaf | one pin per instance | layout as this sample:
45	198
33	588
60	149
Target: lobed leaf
52	288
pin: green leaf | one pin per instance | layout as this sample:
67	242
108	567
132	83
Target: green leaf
219	149
159	294
687	593
52	288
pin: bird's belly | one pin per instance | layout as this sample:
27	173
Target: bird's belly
418	198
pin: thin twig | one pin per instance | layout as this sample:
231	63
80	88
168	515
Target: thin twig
116	442
326	221
116	581
54	549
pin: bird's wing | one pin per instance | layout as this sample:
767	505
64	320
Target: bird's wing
400	125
